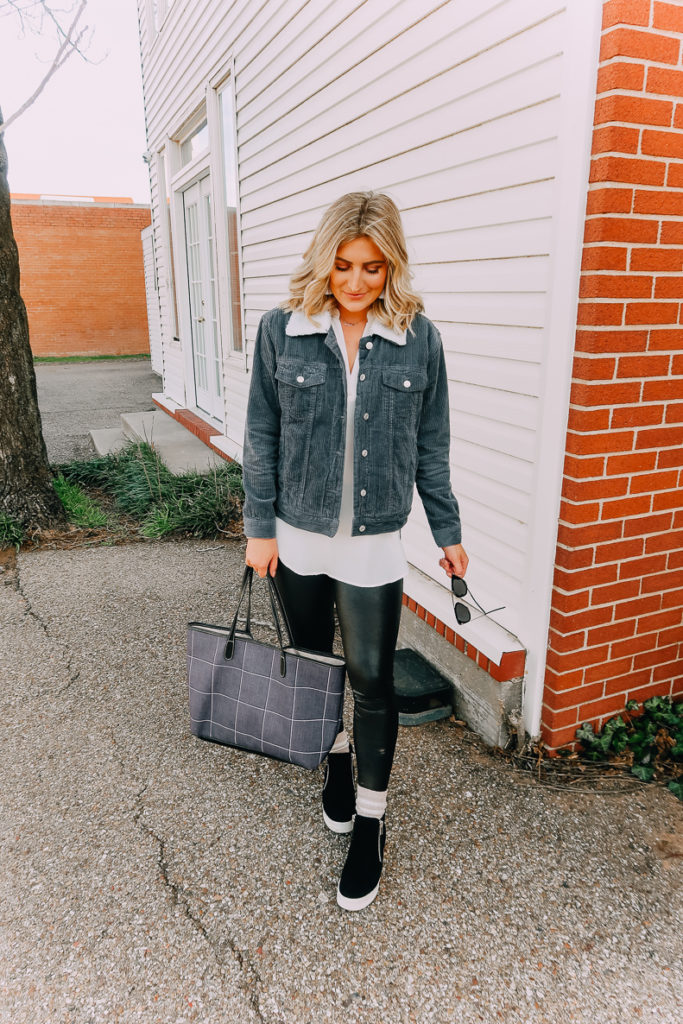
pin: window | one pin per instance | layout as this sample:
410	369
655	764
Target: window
229	161
194	144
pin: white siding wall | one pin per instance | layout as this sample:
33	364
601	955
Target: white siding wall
152	295
453	108
171	352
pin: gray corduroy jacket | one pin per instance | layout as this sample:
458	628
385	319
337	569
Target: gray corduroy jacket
296	429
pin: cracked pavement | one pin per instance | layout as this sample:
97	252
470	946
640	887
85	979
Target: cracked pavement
147	876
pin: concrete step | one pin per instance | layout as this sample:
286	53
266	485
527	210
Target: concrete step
178	449
144	426
106	441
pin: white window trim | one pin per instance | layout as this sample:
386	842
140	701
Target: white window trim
191	172
223	78
204	103
181	181
162	161
181	178
186	129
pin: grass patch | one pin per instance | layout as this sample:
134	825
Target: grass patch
91	473
11	532
157	501
88	359
80	509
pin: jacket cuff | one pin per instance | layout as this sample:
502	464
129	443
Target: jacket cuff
447	535
259	529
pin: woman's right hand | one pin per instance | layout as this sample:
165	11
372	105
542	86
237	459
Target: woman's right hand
262	555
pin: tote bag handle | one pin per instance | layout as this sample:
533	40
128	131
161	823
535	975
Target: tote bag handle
277	609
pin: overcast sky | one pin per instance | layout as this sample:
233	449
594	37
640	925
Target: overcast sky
85	134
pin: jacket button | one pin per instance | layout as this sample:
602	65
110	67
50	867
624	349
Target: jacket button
361	529
300	380
363	493
366	415
368	344
406	383
362	376
364	452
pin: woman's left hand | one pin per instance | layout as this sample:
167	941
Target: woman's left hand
455	561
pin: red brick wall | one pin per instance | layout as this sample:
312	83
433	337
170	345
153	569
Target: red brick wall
615	628
82	277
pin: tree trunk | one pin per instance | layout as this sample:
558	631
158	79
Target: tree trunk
26	491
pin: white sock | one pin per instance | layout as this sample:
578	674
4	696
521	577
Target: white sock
341	744
370	803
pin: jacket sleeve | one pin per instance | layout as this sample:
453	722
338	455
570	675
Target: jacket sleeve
261	440
433	477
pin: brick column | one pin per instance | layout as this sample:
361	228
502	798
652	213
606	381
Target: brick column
615	627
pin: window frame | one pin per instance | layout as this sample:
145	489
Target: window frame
224	78
165	193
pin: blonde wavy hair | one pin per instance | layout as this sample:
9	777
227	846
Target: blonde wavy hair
370	214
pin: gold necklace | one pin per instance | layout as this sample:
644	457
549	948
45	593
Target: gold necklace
346	323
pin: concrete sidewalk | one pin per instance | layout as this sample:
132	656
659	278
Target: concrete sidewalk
148	877
75	398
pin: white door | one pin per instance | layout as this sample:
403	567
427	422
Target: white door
201	279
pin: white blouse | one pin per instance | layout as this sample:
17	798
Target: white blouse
361	561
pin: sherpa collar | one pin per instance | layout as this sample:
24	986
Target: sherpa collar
300	324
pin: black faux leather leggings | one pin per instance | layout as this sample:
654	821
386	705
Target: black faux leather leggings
368	620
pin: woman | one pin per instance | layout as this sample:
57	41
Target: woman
348	410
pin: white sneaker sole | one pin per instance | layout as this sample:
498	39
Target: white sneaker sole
340	827
358	904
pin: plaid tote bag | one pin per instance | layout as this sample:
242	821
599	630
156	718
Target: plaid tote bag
282	701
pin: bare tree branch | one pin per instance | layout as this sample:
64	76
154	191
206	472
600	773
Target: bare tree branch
70	41
61	33
33	10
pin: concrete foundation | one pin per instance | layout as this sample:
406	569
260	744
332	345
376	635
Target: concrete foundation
478	699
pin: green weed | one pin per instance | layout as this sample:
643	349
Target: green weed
97	473
200	504
140	480
651	742
159	522
11	532
80	509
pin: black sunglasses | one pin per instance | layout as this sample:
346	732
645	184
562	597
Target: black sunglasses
462	612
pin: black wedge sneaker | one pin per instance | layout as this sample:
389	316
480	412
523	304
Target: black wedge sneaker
339	794
359	882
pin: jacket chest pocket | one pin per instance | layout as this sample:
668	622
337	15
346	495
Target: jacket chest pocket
401	395
299	387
